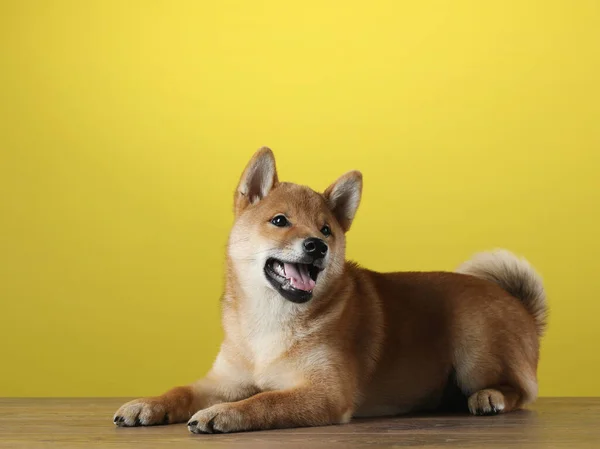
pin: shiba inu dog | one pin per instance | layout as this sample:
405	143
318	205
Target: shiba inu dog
312	339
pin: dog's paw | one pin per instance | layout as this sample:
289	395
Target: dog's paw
221	418
486	402
141	412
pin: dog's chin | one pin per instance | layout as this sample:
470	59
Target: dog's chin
275	274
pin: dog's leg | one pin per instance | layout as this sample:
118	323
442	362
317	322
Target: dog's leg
495	387
225	382
497	370
171	407
309	405
177	404
492	401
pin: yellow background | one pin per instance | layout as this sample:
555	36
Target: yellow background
124	127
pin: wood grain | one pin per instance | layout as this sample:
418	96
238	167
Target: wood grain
70	423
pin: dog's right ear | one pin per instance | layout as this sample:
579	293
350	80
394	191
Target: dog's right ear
259	177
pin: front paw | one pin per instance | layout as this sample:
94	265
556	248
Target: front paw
141	412
221	418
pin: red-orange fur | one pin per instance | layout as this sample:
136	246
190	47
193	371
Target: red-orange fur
366	344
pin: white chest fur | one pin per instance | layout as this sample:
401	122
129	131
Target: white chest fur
268	333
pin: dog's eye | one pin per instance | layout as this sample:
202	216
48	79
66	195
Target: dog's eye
326	231
280	221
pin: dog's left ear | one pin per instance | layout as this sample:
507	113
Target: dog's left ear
343	197
259	177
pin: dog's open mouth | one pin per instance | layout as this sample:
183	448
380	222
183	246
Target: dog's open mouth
295	281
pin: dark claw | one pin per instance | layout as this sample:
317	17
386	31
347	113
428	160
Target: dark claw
210	425
121	418
166	419
116	419
137	422
192	423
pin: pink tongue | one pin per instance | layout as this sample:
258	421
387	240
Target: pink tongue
298	275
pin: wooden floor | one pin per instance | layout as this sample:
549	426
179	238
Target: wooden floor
87	423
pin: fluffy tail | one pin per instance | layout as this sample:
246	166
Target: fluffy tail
516	276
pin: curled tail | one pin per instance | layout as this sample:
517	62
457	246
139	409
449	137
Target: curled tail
516	276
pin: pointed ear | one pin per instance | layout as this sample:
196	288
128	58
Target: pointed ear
259	177
343	197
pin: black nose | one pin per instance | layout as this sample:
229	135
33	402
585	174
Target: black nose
315	247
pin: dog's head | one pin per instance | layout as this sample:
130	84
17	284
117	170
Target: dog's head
287	238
